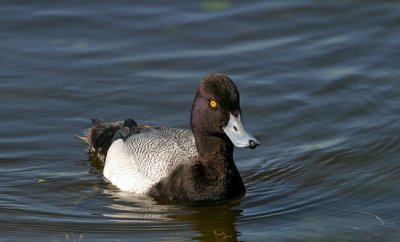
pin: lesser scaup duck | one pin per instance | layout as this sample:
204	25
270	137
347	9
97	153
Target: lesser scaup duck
172	164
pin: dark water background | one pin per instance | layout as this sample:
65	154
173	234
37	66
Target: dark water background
320	88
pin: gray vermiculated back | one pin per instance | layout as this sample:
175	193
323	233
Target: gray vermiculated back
157	151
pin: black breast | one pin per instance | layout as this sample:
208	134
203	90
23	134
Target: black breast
199	182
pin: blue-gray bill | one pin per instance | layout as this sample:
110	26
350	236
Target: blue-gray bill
238	134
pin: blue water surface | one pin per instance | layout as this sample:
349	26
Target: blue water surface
319	85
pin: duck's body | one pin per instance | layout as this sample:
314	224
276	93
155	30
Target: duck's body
140	161
177	164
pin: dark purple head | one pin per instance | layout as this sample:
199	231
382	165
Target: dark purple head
216	110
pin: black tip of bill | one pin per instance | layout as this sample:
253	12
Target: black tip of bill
253	144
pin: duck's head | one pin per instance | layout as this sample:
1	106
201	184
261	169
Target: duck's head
216	111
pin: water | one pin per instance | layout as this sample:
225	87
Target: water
319	84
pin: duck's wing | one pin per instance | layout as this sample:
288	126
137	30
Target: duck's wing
183	138
102	134
137	153
156	151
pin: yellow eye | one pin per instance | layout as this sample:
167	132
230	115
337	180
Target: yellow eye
213	104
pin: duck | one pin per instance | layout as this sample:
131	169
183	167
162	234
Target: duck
174	164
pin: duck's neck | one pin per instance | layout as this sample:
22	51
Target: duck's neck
215	148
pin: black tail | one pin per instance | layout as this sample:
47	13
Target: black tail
99	137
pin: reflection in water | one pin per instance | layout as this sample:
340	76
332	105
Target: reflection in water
214	221
211	221
128	207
